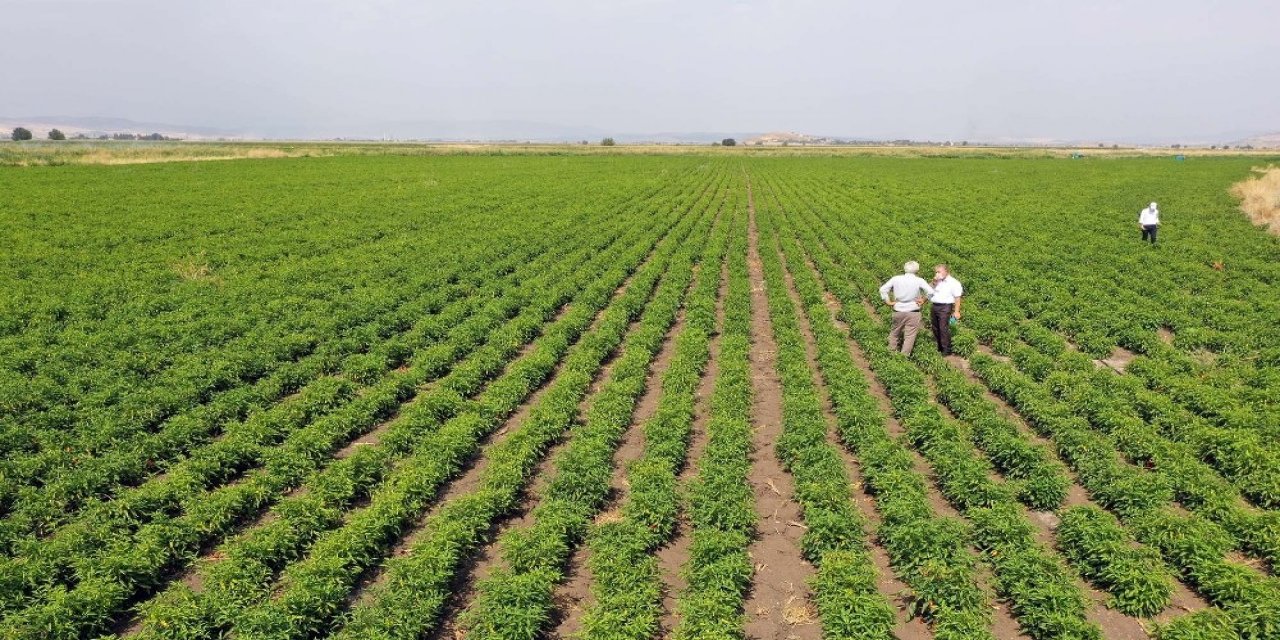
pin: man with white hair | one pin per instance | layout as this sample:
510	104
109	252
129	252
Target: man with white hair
1149	222
905	293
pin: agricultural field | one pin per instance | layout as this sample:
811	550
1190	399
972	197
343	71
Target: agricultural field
634	396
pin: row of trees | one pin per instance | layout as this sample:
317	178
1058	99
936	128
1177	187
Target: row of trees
23	133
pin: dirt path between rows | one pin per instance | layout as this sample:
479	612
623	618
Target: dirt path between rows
779	605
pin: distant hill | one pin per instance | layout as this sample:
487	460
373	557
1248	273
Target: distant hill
1264	141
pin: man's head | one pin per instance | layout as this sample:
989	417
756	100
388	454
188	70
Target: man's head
912	267
1153	206
941	271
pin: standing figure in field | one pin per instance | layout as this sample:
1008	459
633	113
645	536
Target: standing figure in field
905	293
1149	222
947	292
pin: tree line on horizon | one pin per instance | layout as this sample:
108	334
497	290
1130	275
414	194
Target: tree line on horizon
20	134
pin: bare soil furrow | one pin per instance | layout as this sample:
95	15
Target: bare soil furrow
780	602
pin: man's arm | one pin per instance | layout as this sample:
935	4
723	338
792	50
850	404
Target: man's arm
955	313
884	291
923	291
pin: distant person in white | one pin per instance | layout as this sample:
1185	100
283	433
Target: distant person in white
1149	222
947	292
905	293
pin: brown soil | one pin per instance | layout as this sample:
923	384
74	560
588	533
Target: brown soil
368	438
1165	335
779	605
1183	601
985	350
675	554
1118	360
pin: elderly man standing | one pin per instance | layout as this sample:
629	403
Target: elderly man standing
905	293
947	293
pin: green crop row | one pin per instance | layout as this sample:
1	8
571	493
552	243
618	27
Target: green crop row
514	602
184	488
1072	294
239	444
1261	528
89	357
409	600
247	565
311	590
1193	483
1245	458
361	356
1041	590
1101	397
720	508
194	379
626	582
1195	546
285	468
1134	576
849	605
929	552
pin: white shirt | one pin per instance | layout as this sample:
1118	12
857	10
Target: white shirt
947	290
1149	216
906	288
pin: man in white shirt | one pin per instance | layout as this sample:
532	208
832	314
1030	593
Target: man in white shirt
908	293
1149	222
947	292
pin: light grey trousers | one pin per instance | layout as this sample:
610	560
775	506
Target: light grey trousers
906	324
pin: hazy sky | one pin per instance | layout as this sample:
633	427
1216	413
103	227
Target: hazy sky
924	69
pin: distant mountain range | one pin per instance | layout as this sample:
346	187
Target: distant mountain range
528	131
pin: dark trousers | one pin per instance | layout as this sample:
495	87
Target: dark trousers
940	314
1149	231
